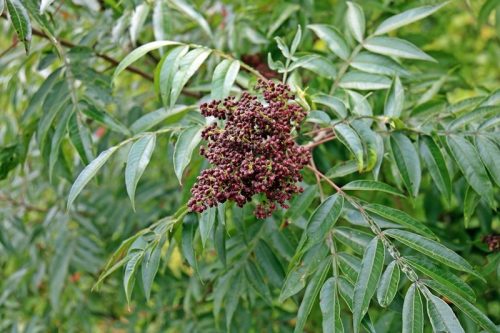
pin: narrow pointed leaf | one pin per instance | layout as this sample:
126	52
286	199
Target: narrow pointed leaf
395	99
470	164
400	218
364	81
351	140
223	79
407	161
330	307
378	64
149	267
88	173
130	271
323	219
137	161
442	317
165	72
388	285
57	138
336	43
21	21
395	47
413	314
207	222
465	306
406	17
369	275
432	249
371	185
186	143
436	164
355	20
490	155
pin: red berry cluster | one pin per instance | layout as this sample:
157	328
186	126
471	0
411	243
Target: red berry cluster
253	152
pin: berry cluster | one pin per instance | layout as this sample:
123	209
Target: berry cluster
253	152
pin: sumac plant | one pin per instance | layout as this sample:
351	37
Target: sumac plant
267	166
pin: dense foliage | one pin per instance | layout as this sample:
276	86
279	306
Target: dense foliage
263	166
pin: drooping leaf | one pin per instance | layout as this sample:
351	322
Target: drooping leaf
351	140
130	270
395	99
334	103
140	52
310	295
323	219
465	306
300	203
151	119
333	39
149	267
369	275
207	222
57	138
80	138
315	63
223	79
469	162
330	307
436	164
406	17
355	20
137	161
188	10
471	200
353	238
371	185
441	275
490	155
165	72
21	21
103	117
186	143
378	64
137	20
407	161
442	317
188	65
364	81
432	249
400	218
88	173
388	286
395	47
413	313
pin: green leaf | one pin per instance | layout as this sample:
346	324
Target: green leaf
490	155
378	64
334	103
481	113
165	72
189	11
296	40
336	43
103	117
352	238
371	185
349	265
395	47
323	219
220	241
355	20
388	286
151	119
224	77
369	275
57	138
470	164
442	317
206	223
130	271
44	4
59	270
188	65
441	275
256	280
88	173
137	20
150	265
21	21
364	81
316	64
465	306
373	149
395	99
269	263
80	138
485	10
284	14
432	249
301	203
140	52
310	295
346	290
413	313
137	161
400	218
186	143
471	200
330	307
407	17
343	169
359	104
407	161
187	246
351	140
434	159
